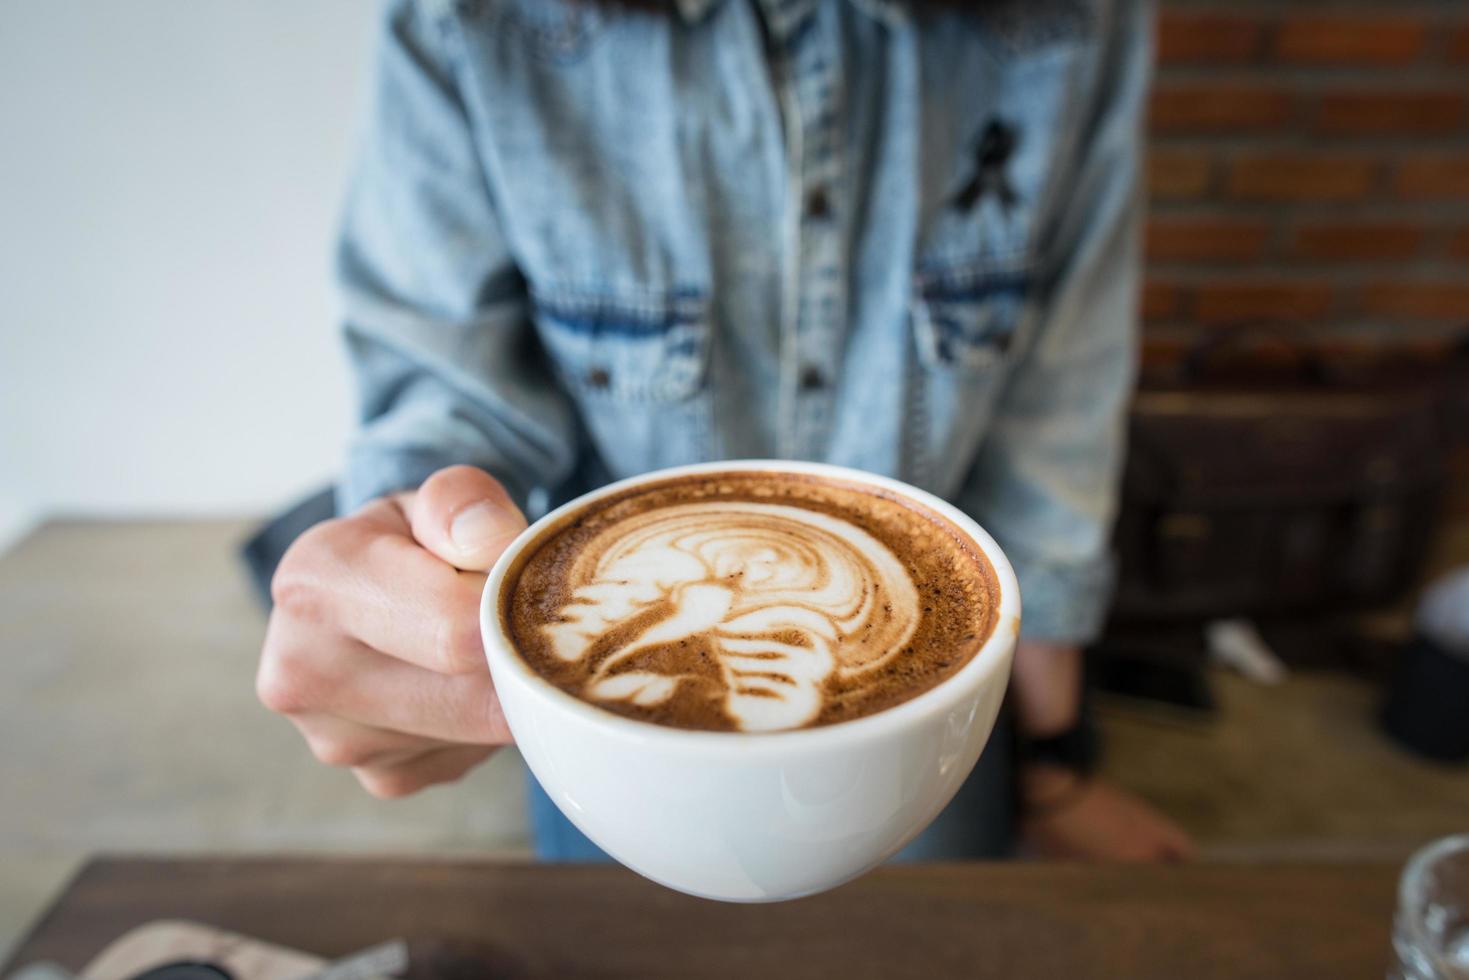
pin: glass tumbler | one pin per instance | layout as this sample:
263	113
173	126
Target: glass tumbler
1431	930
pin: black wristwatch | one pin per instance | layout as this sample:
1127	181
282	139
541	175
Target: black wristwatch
1077	749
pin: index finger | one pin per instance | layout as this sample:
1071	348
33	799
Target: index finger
394	596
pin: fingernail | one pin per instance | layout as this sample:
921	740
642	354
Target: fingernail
475	526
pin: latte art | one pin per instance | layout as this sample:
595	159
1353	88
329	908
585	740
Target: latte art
749	602
783	597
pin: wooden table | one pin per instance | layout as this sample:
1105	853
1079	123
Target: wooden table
974	920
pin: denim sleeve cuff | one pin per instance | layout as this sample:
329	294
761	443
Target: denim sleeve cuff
1063	603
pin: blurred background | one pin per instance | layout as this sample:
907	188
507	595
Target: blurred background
169	179
169	374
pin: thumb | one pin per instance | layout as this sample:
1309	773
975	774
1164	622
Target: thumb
464	516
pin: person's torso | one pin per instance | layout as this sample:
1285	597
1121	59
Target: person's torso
794	228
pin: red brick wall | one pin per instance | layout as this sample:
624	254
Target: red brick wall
1310	167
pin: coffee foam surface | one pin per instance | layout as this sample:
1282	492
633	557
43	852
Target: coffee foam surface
752	609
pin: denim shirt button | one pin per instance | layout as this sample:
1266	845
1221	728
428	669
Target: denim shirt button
599	377
818	205
812	379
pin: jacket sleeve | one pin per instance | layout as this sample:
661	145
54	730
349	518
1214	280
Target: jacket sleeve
435	313
1044	482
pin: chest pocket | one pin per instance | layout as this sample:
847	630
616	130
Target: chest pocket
981	231
966	318
646	348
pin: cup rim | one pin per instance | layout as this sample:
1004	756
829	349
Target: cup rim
993	656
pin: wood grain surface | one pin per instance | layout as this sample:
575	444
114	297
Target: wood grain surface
969	920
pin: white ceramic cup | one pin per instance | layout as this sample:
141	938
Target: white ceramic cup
756	817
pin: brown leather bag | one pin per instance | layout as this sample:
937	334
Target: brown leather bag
1302	491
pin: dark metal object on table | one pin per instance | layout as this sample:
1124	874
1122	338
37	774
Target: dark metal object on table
186	971
183	970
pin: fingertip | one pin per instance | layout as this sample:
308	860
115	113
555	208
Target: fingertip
481	530
465	517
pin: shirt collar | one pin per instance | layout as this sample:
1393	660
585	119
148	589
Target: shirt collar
891	12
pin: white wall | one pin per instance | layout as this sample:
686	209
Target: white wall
170	171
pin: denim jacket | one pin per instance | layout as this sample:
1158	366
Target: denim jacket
584	242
